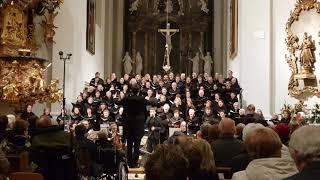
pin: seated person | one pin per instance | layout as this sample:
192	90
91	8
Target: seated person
227	146
193	122
264	147
105	117
176	120
201	160
51	151
167	162
305	152
18	140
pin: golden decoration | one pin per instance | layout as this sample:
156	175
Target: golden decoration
301	55
21	73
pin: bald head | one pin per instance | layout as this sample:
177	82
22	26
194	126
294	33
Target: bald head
44	122
227	127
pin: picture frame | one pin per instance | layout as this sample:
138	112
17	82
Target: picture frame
91	26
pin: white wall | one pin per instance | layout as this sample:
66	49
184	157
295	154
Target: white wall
71	38
261	65
252	64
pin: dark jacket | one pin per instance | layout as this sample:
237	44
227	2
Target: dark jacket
225	148
310	171
134	115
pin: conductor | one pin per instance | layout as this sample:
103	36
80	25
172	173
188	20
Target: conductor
134	112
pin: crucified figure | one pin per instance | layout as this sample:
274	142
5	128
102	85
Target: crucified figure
168	33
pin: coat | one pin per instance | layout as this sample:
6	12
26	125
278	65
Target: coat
267	169
310	171
134	115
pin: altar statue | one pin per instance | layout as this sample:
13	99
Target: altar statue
134	6
204	6
138	63
127	63
307	57
195	63
207	63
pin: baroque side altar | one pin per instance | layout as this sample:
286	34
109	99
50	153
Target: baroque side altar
21	71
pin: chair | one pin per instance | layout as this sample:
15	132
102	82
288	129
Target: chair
25	176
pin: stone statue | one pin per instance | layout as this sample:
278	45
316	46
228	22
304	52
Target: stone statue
127	63
169	6
138	63
195	63
207	63
134	6
204	6
307	57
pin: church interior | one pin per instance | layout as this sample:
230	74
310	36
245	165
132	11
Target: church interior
159	89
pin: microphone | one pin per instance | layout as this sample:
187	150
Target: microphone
60	53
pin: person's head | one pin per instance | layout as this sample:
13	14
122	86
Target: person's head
46	111
121	110
76	111
106	113
164	91
249	128
171	76
135	89
208	111
217	97
90	100
152	112
259	112
200	157
286	114
283	131
11	120
3	123
194	75
183	76
85	123
44	122
227	127
304	145
300	117
191	113
263	143
213	132
222	114
80	130
89	111
204	131
251	109
167	162
166	108
183	126
239	130
176	113
97	94
97	75
20	127
236	105
220	103
201	93
29	108
230	74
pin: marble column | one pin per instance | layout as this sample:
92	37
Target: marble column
202	50
118	34
108	39
145	58
134	51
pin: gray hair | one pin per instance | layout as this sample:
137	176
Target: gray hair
249	128
306	141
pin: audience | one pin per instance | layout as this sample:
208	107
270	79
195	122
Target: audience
304	147
226	146
264	147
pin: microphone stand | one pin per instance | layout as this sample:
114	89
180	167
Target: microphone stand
64	59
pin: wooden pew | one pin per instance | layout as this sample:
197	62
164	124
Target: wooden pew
19	162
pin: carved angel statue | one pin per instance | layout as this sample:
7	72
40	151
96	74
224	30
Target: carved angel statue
195	63
207	63
307	57
169	6
204	6
138	63
134	6
127	63
293	45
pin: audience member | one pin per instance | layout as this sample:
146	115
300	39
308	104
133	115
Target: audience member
167	163
227	146
264	147
305	150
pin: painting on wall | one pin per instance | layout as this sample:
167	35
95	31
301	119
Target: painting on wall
234	29
91	26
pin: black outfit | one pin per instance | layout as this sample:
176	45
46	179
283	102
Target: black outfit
225	148
193	125
134	113
27	115
310	171
154	134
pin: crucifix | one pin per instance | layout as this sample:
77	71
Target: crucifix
167	33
